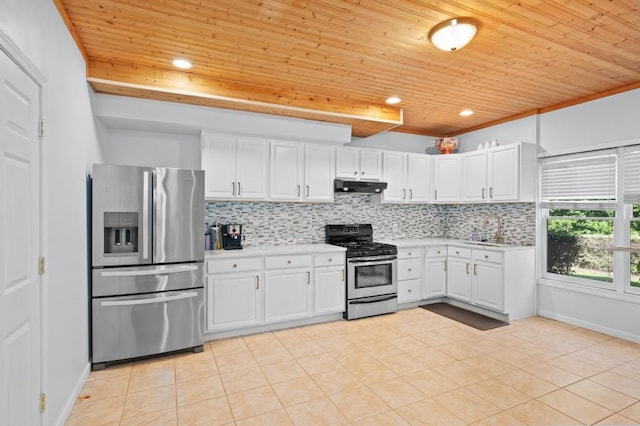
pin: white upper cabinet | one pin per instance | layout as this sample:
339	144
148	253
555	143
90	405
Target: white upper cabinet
235	167
301	172
355	163
474	177
446	178
407	177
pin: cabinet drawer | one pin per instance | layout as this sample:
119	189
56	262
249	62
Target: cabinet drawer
330	259
232	265
411	252
457	251
409	269
295	261
487	256
408	290
436	251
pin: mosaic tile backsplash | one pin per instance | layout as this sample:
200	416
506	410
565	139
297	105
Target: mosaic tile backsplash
266	223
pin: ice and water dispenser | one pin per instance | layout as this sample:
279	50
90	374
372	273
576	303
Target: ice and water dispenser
120	232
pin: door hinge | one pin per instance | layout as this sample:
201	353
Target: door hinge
43	402
41	130
41	266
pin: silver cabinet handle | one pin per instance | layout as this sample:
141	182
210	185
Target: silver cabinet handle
355	173
409	291
308	277
467	269
435	194
238	189
411	194
475	269
298	189
257	282
233	189
483	191
445	264
409	270
145	215
154	271
160	299
404	194
343	275
491	192
362	173
307	191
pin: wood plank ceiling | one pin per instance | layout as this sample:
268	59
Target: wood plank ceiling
338	60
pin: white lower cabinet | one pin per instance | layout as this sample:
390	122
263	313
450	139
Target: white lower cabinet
287	288
233	294
410	274
459	274
329	290
487	285
435	268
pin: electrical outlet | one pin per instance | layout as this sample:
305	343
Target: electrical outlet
394	227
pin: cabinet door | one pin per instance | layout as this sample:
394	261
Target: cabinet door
251	173
285	183
394	167
459	278
329	290
418	178
408	290
287	295
219	165
436	269
233	301
487	285
370	164
347	163
319	164
474	177
446	178
504	173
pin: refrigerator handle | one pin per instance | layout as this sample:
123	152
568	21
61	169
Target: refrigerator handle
160	299
141	272
145	215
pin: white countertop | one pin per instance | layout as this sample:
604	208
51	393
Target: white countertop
273	250
458	243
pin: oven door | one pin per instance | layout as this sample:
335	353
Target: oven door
372	276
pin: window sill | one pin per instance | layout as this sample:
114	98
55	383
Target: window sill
594	291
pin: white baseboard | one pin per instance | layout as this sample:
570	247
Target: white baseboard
590	326
73	396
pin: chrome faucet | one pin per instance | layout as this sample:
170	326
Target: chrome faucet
498	235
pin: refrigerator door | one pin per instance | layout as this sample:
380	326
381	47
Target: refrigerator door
178	215
121	215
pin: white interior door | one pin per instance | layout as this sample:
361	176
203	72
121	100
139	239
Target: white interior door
20	352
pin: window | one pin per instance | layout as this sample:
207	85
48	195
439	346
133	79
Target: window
634	256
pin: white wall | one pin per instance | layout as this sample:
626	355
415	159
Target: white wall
396	141
69	146
521	130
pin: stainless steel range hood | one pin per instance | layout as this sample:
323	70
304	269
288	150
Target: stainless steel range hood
359	186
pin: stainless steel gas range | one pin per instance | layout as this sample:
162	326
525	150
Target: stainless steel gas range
372	275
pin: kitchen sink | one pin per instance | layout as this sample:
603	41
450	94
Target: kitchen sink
486	243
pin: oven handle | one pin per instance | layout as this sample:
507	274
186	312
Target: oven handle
374	259
148	301
373	299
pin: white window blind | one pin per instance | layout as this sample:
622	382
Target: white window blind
631	176
584	179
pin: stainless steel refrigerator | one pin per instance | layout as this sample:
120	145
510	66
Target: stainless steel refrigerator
147	286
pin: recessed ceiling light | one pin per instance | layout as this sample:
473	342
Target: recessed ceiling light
392	100
466	112
181	63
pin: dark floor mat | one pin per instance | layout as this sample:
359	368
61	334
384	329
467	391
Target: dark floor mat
463	316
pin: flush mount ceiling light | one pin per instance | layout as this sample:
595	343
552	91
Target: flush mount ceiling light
453	34
181	63
466	112
392	100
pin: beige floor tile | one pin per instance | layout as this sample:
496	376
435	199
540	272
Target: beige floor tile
513	357
397	392
152	379
199	390
432	338
271	356
369	372
195	370
456	331
407	344
209	412
253	402
403	364
278	417
333	343
504	339
159	418
498	393
382	349
320	412
596	358
575	366
144	366
632	412
526	383
228	346
595	392
458	350
432	357
466	405
559	344
243	380
319	363
500	419
149	401
358	403
619	383
104	388
428	412
98	412
482	343
112	371
619	349
575	406
336	381
193	357
630	370
283	371
536	351
390	418
235	362
262	341
461	373
536	413
304	348
297	391
431	383
489	365
617	420
551	374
